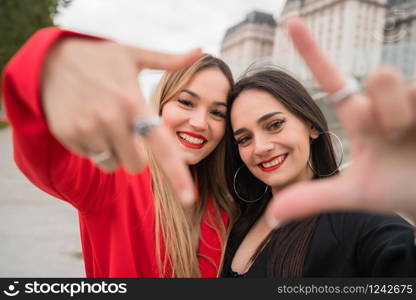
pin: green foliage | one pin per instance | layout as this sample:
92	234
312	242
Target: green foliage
19	19
3	125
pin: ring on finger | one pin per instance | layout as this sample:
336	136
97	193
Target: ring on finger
143	126
101	157
351	87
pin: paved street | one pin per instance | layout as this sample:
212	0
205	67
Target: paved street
39	235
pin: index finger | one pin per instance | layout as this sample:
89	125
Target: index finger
163	61
352	113
170	160
324	71
163	147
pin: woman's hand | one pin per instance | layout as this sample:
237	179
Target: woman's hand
91	97
381	125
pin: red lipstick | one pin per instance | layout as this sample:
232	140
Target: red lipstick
188	144
273	167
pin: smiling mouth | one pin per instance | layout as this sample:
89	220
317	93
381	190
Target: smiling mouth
273	164
191	141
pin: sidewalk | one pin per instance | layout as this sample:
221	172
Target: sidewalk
39	235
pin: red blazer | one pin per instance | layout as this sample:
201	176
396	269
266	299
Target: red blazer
116	211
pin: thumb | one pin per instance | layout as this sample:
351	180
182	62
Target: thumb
317	196
149	59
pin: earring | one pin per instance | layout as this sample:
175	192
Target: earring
340	163
239	196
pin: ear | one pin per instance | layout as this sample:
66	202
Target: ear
314	134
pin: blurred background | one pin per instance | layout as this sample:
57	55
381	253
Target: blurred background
39	235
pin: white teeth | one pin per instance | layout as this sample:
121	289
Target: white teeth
274	162
191	139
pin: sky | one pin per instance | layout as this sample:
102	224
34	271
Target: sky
166	25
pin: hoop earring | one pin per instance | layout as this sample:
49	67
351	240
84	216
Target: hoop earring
239	196
340	163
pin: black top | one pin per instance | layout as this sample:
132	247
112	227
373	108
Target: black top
347	244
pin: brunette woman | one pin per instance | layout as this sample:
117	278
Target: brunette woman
280	138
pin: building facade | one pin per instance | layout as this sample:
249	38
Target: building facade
359	36
248	41
400	36
351	32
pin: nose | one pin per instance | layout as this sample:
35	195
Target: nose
198	120
262	146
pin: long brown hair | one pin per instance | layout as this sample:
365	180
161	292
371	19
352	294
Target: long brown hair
288	245
174	226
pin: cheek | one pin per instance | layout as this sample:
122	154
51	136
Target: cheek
245	155
303	150
171	116
217	130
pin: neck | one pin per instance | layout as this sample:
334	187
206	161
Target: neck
308	175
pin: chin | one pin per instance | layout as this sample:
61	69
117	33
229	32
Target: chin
190	161
275	181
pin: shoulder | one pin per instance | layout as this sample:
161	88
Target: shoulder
372	244
347	226
363	220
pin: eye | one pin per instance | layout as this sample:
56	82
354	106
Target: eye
186	102
218	113
275	125
242	141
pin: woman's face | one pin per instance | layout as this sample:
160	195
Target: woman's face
197	114
273	143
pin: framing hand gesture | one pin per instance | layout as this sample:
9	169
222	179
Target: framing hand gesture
381	125
91	100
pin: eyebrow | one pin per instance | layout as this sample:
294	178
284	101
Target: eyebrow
195	95
260	120
267	116
220	103
190	93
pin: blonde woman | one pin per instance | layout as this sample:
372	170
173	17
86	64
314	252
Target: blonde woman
73	101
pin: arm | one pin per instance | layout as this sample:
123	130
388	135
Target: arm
384	244
37	153
80	97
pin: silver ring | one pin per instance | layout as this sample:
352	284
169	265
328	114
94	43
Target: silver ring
144	126
351	87
101	157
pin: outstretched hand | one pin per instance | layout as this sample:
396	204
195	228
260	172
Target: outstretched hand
91	98
381	125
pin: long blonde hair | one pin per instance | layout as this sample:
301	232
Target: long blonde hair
175	226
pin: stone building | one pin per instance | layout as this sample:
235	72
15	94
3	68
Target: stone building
350	31
359	35
400	36
248	41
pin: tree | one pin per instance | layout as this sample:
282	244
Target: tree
19	19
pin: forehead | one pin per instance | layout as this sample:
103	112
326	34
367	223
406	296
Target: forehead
209	83
250	105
